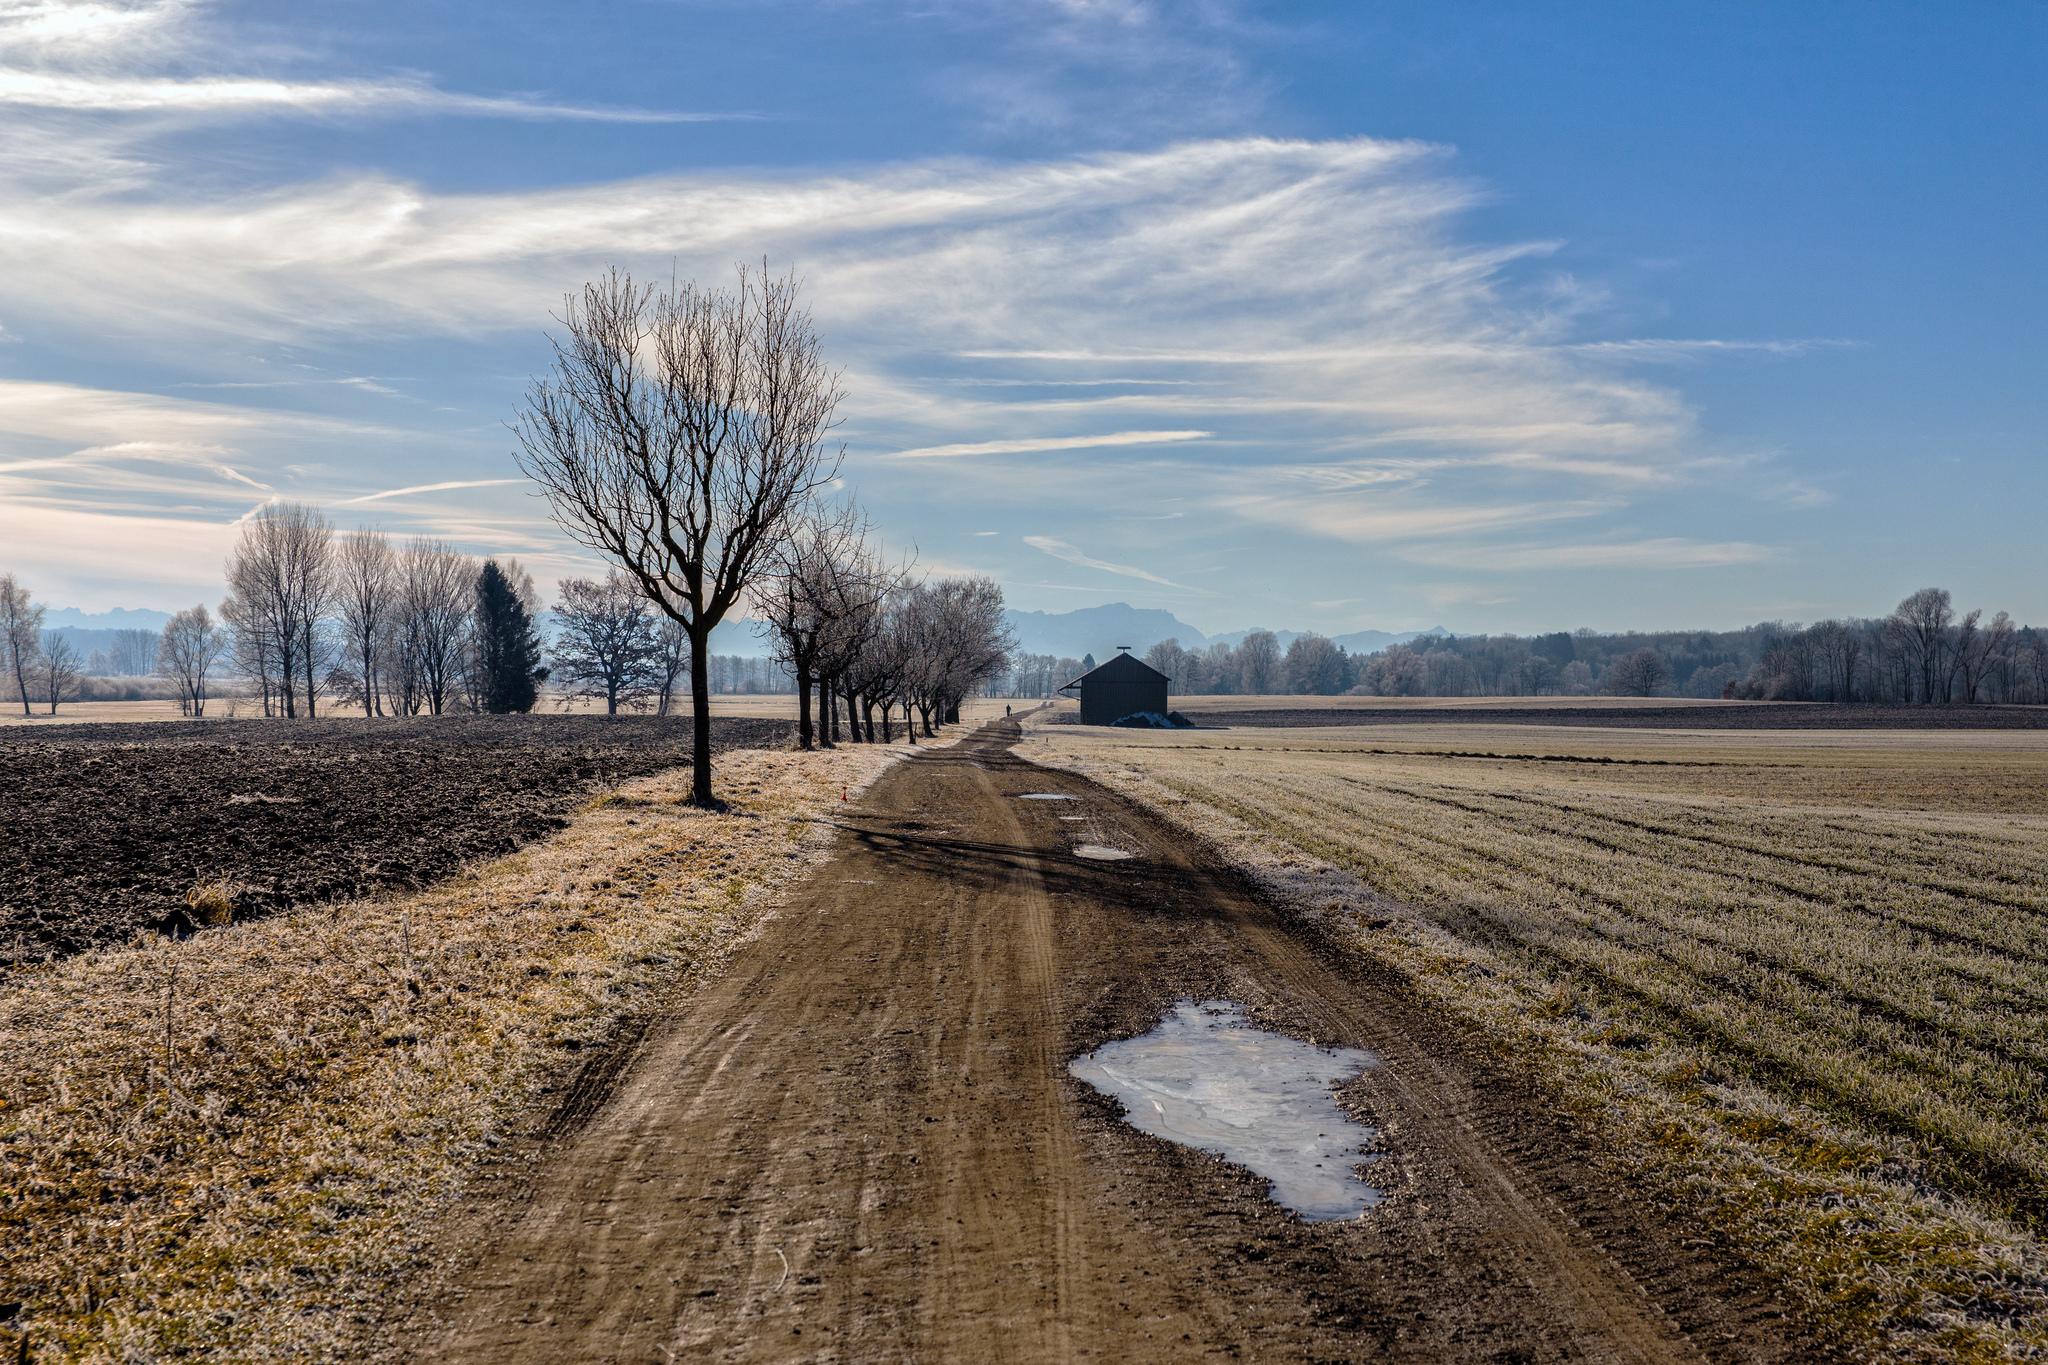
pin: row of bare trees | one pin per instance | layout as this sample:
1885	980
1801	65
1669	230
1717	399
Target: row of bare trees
390	627
1926	653
1923	651
860	640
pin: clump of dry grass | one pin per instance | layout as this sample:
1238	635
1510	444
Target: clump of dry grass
232	1145
212	903
1809	1007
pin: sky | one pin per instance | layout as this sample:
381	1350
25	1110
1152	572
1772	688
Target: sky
1315	316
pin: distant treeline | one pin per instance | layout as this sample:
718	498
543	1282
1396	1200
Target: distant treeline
1924	651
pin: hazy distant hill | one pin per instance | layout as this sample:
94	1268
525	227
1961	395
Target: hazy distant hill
100	632
1099	630
120	618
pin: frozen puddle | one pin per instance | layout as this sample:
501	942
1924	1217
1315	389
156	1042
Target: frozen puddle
1207	1079
1045	796
1102	853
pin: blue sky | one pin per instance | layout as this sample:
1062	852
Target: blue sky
1318	315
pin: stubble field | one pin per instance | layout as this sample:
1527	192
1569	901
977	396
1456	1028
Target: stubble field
1797	976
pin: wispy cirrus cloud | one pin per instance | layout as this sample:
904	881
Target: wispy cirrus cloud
1299	336
1060	549
1366	520
163	58
1659	552
1036	444
419	489
247	95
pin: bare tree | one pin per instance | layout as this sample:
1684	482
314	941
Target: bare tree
59	670
822	580
677	433
965	641
254	652
858	589
1921	627
607	644
435	598
1838	653
792	604
671	661
127	654
21	635
279	576
876	677
1314	664
2001	656
190	647
365	592
1641	674
1259	662
1976	651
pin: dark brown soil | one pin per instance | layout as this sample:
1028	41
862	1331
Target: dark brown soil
861	1142
108	826
1741	716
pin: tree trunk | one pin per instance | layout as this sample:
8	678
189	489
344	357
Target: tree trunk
803	707
312	713
888	724
700	720
909	724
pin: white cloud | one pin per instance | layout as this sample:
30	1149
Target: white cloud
229	95
1044	443
1663	552
1059	549
82	415
1376	520
418	488
153	58
1293	334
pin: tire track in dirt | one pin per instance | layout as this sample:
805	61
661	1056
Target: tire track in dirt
860	1141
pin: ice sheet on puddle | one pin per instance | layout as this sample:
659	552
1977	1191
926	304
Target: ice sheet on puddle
1208	1079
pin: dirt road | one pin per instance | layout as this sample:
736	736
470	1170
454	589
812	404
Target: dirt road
861	1143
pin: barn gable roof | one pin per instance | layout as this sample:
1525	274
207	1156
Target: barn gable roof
1119	668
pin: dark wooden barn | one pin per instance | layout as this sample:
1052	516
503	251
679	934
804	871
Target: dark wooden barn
1123	686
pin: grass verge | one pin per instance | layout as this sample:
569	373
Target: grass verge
236	1145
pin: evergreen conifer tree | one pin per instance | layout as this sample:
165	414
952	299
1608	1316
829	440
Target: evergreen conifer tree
508	649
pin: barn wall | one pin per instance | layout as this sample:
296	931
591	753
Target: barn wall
1104	702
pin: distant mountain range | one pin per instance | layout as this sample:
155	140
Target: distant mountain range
120	618
95	632
1100	630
